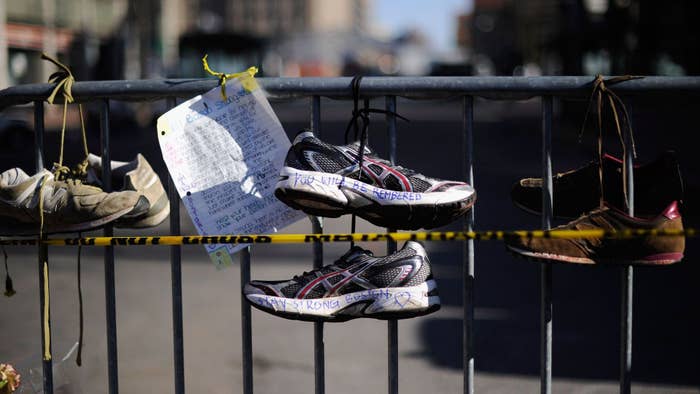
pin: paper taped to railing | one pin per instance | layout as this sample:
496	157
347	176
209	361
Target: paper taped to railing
224	158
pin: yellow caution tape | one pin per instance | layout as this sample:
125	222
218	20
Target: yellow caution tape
341	237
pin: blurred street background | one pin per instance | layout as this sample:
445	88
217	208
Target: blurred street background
140	39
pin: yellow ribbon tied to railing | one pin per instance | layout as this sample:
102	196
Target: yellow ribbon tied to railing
247	77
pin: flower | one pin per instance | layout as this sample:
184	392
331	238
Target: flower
9	379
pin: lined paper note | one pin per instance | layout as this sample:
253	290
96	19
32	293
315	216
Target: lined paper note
224	158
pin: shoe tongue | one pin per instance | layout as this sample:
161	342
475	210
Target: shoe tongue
119	171
94	161
356	146
302	135
352	254
92	177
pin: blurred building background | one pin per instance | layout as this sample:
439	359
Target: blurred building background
117	39
583	37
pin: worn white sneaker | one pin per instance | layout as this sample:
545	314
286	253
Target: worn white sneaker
67	205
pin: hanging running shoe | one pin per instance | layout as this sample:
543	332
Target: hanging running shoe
359	284
136	175
67	205
324	180
656	184
643	250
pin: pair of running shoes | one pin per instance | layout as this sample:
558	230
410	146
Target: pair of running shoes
326	180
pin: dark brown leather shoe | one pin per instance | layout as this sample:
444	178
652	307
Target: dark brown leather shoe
644	250
576	192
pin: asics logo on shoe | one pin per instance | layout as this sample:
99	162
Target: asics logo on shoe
353	274
372	169
375	170
346	276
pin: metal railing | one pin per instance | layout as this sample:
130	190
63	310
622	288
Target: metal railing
502	88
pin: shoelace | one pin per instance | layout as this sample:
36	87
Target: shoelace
337	262
64	83
600	92
361	115
63	78
9	288
306	274
401	169
79	356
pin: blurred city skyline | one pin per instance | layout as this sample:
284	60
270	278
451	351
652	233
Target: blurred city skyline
138	39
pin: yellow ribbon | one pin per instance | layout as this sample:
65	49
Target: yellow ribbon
246	77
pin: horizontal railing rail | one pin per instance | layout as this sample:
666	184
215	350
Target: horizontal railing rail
507	88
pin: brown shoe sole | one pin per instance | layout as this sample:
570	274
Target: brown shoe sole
652	260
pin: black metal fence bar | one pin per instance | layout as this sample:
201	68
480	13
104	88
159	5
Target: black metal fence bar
176	279
39	134
392	325
626	299
43	254
110	293
468	260
317	228
44	304
546	268
626	329
246	325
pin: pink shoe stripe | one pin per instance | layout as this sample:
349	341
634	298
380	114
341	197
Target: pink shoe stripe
664	257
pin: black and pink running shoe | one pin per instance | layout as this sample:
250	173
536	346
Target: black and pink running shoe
397	286
325	180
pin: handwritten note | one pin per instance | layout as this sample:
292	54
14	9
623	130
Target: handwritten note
224	158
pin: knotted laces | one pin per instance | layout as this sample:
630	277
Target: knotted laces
602	95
